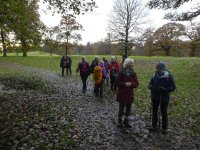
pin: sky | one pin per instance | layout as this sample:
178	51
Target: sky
95	24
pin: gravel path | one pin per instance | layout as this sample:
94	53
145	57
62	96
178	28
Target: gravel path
94	119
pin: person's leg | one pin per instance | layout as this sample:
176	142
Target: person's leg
70	70
155	113
67	68
127	114
111	83
101	88
163	108
63	69
120	113
85	83
114	83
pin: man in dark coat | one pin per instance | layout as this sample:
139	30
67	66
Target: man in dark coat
63	64
161	84
68	65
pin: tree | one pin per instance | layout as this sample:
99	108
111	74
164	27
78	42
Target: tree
68	29
168	36
22	17
126	18
72	7
194	36
175	4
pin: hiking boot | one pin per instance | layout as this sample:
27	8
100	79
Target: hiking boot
153	129
126	123
164	131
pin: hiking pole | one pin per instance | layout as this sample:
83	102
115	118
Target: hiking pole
159	116
150	113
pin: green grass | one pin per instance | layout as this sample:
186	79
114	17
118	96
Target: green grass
185	101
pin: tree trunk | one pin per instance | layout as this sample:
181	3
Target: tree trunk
3	43
167	52
126	43
66	50
193	51
24	47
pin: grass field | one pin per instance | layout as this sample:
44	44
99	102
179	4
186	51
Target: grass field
184	107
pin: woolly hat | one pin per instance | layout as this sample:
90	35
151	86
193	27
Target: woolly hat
161	66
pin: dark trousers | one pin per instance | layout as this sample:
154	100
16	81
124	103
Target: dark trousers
84	80
99	88
122	106
69	70
63	70
113	83
163	109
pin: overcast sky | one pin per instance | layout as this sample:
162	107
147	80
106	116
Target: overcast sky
95	24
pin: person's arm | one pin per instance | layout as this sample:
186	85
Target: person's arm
151	84
119	81
78	68
172	85
61	62
134	83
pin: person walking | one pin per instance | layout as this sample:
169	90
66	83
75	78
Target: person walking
106	65
63	64
161	84
84	69
126	82
68	65
114	70
99	76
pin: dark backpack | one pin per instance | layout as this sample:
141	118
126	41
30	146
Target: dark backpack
113	72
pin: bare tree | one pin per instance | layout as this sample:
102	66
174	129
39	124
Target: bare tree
176	4
68	30
125	20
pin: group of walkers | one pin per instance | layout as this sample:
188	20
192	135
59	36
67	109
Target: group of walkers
123	80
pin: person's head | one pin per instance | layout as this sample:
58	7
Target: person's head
97	59
113	59
128	63
124	58
83	58
101	62
104	59
160	67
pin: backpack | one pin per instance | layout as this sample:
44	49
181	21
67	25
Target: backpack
85	69
97	75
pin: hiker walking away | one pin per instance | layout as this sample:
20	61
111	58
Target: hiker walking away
106	64
126	82
161	84
99	75
94	63
68	65
114	70
63	64
84	69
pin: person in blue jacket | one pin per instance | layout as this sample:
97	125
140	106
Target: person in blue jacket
161	84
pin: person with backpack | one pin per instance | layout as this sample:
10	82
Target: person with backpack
114	70
106	64
126	82
84	69
161	84
99	75
68	65
63	64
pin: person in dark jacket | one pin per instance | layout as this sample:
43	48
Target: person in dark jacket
63	64
84	69
126	82
68	65
161	84
114	70
94	63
